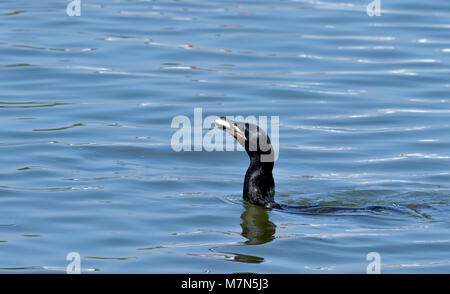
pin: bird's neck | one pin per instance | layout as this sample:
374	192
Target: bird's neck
259	186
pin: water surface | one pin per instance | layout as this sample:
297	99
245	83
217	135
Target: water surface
86	105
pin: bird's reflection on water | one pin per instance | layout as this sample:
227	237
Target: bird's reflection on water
256	226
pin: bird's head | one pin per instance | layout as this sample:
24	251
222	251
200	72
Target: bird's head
254	139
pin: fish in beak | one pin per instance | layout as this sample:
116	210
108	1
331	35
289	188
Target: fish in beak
235	129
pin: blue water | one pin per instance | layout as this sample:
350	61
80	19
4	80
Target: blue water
87	165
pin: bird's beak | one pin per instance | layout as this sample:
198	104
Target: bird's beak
237	130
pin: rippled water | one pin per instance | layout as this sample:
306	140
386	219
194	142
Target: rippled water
86	105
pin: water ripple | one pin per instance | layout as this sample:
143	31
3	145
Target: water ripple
407	156
60	128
